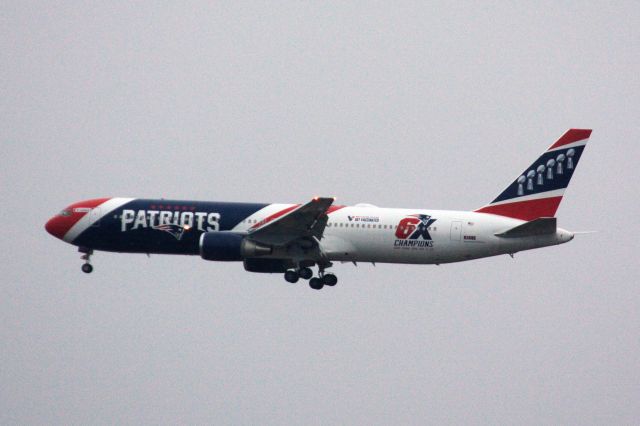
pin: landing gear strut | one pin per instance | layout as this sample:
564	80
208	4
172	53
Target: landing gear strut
87	268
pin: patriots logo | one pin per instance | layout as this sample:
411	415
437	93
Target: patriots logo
174	230
415	227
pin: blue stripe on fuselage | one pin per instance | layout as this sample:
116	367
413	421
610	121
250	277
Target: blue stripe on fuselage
163	226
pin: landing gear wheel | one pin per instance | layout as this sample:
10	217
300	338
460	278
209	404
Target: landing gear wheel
305	273
291	276
86	256
330	280
316	283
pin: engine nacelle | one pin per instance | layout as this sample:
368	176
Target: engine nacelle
229	246
267	265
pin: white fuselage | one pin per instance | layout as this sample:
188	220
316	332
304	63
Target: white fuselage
370	234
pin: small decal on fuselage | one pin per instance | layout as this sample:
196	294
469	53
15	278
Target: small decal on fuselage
363	219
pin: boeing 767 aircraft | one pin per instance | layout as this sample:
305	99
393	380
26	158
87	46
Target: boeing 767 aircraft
292	238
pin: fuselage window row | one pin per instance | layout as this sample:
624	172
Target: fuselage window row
357	225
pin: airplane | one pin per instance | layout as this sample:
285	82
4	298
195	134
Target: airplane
290	239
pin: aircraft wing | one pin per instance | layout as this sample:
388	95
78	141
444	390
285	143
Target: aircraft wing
306	221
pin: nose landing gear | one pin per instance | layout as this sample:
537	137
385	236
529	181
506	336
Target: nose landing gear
87	268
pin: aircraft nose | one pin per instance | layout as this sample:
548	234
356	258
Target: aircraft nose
57	227
60	225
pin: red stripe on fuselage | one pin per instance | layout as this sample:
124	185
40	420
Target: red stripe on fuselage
287	210
334	208
572	135
525	210
275	216
59	225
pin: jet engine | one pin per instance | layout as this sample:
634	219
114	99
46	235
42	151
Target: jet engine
226	245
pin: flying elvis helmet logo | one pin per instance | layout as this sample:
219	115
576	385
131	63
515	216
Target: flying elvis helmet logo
174	230
414	227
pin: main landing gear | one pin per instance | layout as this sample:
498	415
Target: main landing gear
87	268
325	279
316	283
292	275
305	273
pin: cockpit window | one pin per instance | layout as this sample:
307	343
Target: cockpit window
65	213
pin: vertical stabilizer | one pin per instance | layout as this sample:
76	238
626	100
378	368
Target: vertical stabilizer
538	191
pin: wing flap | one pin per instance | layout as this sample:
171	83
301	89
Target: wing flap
540	226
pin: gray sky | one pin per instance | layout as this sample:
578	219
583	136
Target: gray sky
410	105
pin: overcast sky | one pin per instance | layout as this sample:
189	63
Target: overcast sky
411	105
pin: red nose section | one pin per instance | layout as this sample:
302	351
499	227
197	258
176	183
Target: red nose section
57	226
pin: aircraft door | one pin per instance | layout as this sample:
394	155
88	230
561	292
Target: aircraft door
456	230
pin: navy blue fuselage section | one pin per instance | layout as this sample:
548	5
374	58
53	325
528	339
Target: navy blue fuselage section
162	226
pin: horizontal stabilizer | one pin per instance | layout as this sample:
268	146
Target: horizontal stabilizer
540	226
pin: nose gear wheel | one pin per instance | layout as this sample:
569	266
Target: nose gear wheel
86	267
